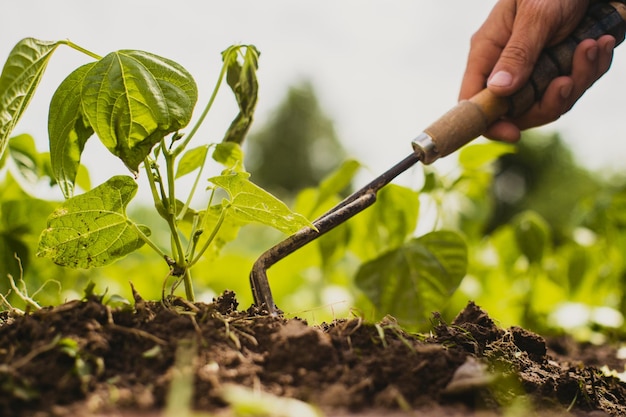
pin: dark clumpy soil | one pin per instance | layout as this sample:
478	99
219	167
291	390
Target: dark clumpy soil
84	358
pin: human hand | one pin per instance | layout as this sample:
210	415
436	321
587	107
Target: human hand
505	49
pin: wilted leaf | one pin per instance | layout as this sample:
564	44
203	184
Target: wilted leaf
414	280
241	77
20	76
132	99
92	229
250	203
67	129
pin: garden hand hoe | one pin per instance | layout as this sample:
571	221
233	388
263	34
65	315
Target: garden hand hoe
463	123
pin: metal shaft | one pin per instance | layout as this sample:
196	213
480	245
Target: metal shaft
349	207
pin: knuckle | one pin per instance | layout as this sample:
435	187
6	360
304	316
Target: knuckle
477	38
516	53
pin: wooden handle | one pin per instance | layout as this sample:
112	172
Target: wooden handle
471	118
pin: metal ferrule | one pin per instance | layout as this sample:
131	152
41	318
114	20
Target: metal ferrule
425	148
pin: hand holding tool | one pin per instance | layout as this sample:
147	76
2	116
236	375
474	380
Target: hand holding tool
463	123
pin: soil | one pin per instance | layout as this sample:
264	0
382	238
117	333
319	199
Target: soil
84	358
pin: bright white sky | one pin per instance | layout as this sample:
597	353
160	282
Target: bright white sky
383	69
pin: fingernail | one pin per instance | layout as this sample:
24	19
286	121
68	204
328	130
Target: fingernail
565	91
592	54
500	79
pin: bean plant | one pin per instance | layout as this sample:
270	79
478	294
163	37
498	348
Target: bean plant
137	104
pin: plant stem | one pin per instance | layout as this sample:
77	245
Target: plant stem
220	220
171	205
169	215
188	285
146	239
80	49
22	294
208	106
191	247
148	163
183	211
169	173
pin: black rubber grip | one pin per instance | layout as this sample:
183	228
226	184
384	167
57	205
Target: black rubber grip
601	19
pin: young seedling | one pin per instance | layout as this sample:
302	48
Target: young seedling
136	103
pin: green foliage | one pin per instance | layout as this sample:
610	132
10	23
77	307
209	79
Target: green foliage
523	231
542	238
92	229
541	176
131	100
532	235
526	271
19	79
415	279
249	203
68	130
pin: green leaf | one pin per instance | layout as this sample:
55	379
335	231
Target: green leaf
476	155
191	160
67	130
24	154
578	264
337	181
248	402
230	155
315	201
20	76
387	224
227	232
92	229
21	221
414	280
10	248
132	99
532	234
431	182
241	77
397	211
82	178
250	203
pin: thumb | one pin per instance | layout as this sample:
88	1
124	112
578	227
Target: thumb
518	57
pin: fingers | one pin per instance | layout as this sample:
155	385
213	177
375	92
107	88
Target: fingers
518	57
503	131
591	60
485	48
505	49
